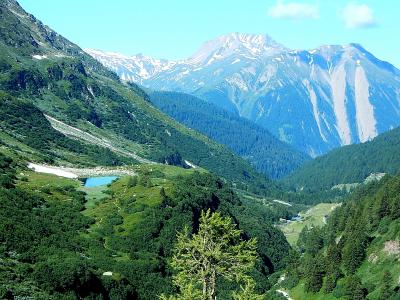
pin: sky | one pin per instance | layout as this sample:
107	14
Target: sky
175	29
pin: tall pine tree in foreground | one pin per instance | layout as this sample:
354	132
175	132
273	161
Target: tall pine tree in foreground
215	252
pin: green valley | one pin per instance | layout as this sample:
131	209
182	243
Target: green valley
113	191
316	216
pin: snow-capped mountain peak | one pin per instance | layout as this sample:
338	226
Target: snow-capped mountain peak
234	43
315	99
135	68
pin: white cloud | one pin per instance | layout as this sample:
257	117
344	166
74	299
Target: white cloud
293	10
358	16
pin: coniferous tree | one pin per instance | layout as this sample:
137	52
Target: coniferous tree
163	195
292	267
386	286
332	263
354	251
132	181
145	180
215	252
310	240
314	273
354	288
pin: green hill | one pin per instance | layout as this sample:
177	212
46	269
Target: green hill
255	144
349	164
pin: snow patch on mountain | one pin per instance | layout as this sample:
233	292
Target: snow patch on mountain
366	122
39	57
338	84
190	164
313	98
51	170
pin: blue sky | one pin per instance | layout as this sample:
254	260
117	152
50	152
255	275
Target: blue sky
174	29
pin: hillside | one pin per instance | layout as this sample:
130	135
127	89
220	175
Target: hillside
314	99
356	255
265	152
26	131
118	246
350	164
40	67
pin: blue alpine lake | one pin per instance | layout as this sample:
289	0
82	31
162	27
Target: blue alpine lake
97	181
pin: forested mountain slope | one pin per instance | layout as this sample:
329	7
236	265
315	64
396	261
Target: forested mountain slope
40	67
350	164
356	255
252	142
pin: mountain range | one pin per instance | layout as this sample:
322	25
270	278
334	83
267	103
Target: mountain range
315	100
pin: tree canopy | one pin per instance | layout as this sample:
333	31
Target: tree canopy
216	252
